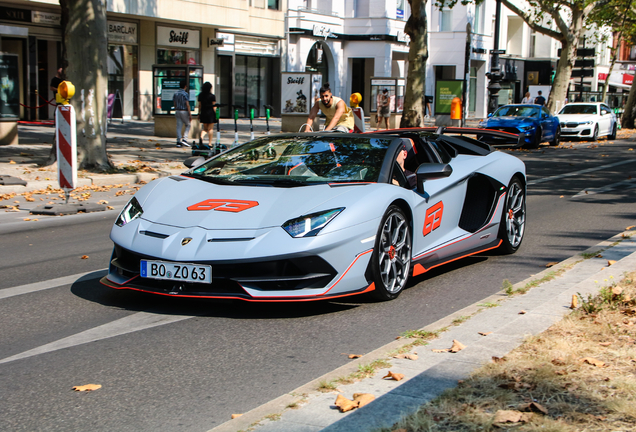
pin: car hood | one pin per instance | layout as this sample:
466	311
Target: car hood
191	202
577	117
508	121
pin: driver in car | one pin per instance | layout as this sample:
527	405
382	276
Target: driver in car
402	176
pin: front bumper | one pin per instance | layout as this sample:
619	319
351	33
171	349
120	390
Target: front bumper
282	268
576	131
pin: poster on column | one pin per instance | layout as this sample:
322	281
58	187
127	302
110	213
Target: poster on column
296	93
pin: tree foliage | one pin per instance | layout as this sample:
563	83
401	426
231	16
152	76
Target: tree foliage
563	20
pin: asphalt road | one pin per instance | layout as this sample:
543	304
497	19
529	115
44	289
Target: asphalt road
169	364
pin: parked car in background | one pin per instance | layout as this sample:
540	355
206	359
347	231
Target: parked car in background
589	120
534	121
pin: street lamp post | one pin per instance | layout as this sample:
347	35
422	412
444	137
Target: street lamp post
495	74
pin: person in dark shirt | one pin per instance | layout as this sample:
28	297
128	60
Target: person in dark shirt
207	113
539	100
56	81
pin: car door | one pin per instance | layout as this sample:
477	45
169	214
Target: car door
605	120
548	124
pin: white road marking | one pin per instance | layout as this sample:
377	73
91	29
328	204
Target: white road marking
136	322
51	283
585	192
575	173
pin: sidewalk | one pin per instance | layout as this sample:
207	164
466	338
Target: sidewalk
306	409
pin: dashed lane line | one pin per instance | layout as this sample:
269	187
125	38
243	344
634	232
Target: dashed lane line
576	173
51	283
625	184
132	323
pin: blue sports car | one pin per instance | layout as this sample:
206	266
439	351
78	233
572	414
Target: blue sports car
534	121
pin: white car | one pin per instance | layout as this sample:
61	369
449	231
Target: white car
589	120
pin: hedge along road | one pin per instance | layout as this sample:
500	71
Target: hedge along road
179	364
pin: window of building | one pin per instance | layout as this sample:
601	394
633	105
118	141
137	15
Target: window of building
472	98
478	24
445	20
272	4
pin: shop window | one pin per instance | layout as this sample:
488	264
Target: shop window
272	4
177	57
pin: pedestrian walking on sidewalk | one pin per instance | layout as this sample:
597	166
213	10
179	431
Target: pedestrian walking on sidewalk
384	109
207	113
181	101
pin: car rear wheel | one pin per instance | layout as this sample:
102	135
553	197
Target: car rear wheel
391	259
612	136
557	136
595	136
537	140
513	219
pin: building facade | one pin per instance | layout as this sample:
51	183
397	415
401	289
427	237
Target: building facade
237	43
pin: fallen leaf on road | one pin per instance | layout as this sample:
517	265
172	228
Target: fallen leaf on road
354	356
605	344
575	301
363	399
12	162
457	346
522	312
27	219
561	196
345	404
484	333
441	350
593	362
630	227
559	361
394	376
611	262
87	387
110	207
34	220
551	264
534	407
599	256
236	416
102	202
84	256
498	359
616	290
413	356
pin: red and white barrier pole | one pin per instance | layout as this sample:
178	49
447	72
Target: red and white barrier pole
66	138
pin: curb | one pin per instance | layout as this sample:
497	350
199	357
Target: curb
253	418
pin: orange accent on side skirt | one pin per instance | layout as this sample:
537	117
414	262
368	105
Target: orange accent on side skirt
418	269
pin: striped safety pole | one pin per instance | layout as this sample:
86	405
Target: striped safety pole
66	138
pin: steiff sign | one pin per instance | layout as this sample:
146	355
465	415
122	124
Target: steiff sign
178	37
123	32
295	92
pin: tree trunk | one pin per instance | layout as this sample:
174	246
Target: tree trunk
627	121
86	42
415	27
569	44
609	72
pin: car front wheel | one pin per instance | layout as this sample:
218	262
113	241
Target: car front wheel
557	136
513	219
612	136
595	136
391	260
537	140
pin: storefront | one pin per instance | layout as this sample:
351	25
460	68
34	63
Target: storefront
248	72
33	37
123	68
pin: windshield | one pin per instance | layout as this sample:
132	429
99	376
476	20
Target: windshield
517	111
579	109
297	161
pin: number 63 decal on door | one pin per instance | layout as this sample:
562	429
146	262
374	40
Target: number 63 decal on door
433	218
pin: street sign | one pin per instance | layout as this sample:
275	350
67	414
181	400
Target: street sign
66	136
498	51
580	73
589	63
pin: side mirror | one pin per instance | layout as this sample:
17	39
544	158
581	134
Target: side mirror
431	171
490	115
193	161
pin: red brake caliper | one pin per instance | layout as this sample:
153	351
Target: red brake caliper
511	215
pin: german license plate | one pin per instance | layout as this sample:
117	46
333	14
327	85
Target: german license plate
176	271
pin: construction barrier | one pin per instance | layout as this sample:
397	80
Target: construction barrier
358	120
66	138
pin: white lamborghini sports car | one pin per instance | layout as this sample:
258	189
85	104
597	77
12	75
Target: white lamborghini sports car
297	217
